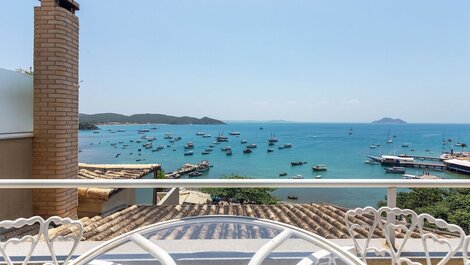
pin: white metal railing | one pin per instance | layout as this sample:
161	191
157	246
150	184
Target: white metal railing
390	184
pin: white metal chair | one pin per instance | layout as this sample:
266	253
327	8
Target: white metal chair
466	260
425	235
42	233
76	236
140	238
33	239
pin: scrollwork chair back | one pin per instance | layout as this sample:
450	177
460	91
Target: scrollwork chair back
17	224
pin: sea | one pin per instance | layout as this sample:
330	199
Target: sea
341	147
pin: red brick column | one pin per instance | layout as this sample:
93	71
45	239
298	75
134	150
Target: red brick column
55	142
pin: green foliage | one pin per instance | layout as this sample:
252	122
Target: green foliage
160	174
452	205
242	195
87	126
28	72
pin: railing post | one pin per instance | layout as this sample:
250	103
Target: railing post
391	203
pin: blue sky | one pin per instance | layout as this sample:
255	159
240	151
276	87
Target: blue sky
319	61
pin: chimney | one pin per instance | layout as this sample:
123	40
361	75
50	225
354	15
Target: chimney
55	141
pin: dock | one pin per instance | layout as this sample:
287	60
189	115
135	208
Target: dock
424	165
185	169
428	158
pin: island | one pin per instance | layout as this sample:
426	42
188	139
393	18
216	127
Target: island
87	126
114	118
387	120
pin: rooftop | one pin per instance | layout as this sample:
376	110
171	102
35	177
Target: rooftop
110	171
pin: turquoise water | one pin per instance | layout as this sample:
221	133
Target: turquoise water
315	143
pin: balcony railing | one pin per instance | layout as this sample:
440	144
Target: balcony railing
390	184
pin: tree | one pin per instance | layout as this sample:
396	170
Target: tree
463	145
242	195
28	72
452	205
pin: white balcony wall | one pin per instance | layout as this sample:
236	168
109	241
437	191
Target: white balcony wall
16	104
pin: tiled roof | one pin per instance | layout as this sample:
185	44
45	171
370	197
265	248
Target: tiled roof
113	171
322	219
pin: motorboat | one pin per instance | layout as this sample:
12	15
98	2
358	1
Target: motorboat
251	146
395	170
298	176
226	148
319	168
292	197
288	145
234	133
189	145
244	141
247	151
189	153
296	163
270	150
283	174
372	162
195	174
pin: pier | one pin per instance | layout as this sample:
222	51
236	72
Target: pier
424	165
429	158
185	169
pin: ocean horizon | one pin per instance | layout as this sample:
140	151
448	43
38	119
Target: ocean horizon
342	147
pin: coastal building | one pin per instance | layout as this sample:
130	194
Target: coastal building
458	165
98	201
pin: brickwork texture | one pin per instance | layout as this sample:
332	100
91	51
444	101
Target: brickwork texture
55	142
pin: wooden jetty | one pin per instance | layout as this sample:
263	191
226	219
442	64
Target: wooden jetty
428	158
423	165
185	169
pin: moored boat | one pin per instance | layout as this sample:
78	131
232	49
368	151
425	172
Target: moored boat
244	141
270	150
283	174
189	153
247	151
296	163
251	146
234	133
319	168
395	170
292	197
195	174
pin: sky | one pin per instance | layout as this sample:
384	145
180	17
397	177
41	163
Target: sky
296	60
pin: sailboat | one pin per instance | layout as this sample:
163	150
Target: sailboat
389	140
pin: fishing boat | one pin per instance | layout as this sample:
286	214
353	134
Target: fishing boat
405	145
205	152
168	136
298	176
226	148
280	147
195	174
189	153
395	170
272	139
296	163
247	151
389	141
244	141
234	133
143	130
288	145
251	146
199	133
189	145
211	146
206	136
319	168
221	138
283	174
203	166
270	144
373	146
292	197
178	138
270	150
372	162
209	150
318	176
229	153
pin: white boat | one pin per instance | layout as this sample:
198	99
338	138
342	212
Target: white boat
234	133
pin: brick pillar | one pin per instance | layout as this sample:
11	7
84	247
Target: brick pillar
55	141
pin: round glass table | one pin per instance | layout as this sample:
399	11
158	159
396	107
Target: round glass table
218	239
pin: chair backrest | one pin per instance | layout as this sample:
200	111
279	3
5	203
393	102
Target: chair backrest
17	236
362	225
389	226
425	235
466	260
73	231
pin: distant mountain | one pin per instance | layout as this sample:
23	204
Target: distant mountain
390	121
103	118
